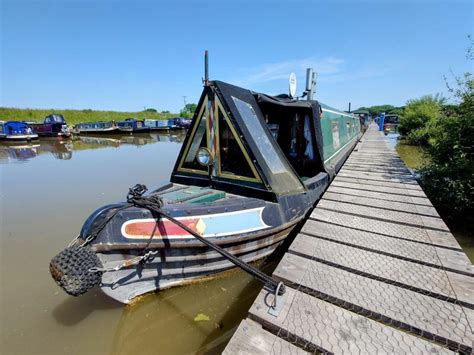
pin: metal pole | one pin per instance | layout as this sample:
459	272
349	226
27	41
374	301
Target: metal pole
309	84
206	68
313	90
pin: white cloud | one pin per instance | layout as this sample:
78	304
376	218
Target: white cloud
281	70
330	70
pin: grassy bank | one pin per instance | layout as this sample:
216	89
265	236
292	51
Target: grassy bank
76	116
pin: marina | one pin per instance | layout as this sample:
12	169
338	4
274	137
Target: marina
209	177
374	270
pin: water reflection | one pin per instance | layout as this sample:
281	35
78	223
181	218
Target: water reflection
17	152
63	149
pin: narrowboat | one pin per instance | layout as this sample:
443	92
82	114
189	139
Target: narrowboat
53	126
14	131
132	125
96	128
181	123
159	125
390	124
250	169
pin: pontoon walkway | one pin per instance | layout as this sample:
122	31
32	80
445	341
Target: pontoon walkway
373	270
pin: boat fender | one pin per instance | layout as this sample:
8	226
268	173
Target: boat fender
71	269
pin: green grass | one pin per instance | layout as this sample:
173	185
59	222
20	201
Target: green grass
76	116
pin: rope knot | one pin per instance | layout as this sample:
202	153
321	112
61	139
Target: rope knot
136	191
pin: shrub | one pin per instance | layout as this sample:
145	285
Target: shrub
417	116
448	177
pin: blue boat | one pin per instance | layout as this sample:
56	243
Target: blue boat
159	125
96	128
132	125
16	132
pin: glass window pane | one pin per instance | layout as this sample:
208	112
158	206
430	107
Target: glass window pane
278	172
199	140
232	158
259	136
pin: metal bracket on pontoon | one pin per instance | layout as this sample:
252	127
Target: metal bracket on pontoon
278	301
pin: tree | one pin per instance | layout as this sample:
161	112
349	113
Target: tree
417	116
188	110
377	110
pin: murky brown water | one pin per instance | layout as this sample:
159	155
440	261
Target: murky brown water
47	190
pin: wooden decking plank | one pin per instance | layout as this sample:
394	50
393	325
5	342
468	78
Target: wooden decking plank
336	330
425	279
392	172
383	204
385	183
379	188
399	175
370	165
396	306
380	195
438	238
376	161
454	260
390	216
250	338
407	179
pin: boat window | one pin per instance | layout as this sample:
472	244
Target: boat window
259	136
232	158
280	176
198	140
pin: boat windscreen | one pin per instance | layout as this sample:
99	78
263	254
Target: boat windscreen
280	175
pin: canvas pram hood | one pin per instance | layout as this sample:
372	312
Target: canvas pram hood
246	159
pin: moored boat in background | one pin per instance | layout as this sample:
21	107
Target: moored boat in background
14	131
391	123
158	125
132	125
101	127
53	125
181	123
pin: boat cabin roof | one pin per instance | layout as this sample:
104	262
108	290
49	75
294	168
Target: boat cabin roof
239	127
54	118
14	124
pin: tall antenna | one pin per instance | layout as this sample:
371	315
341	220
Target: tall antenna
206	68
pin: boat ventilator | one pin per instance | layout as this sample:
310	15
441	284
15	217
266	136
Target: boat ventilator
77	268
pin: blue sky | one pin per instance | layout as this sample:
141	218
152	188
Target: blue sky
127	55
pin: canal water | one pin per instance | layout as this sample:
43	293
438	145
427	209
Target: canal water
48	188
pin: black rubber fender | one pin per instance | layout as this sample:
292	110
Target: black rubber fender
70	269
